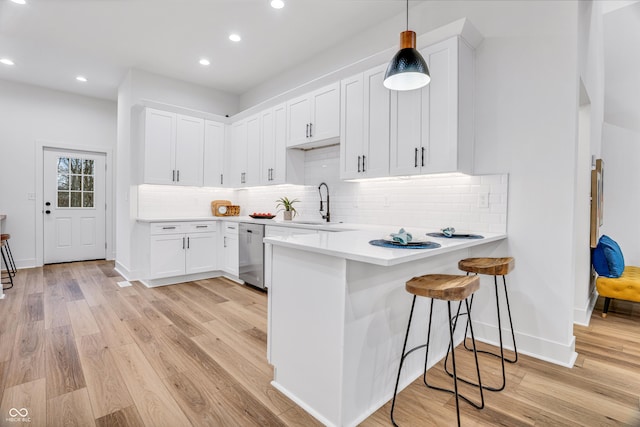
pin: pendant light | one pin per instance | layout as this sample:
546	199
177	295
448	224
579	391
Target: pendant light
407	69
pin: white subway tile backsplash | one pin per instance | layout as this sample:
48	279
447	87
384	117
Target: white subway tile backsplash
435	201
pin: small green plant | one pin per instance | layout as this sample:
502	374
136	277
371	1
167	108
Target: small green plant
287	205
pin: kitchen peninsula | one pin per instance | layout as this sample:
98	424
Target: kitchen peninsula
338	313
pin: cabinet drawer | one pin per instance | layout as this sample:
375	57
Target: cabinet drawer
200	227
231	228
166	228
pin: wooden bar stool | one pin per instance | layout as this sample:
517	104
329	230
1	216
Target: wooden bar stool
493	267
445	287
7	258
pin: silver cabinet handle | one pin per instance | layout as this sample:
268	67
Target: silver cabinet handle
359	163
183	243
415	158
310	130
221	179
178	176
422	156
169	228
202	226
188	241
224	241
173	176
363	167
307	134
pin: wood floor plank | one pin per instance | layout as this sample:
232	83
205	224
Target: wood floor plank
127	417
91	291
64	371
71	409
120	306
155	404
106	388
177	298
82	320
34	280
166	357
252	378
33	310
29	396
28	360
179	318
114	331
147	311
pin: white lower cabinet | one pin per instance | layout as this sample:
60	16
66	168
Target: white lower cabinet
182	248
231	249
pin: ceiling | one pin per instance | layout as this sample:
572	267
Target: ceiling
53	41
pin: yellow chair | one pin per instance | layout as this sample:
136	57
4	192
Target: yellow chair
625	287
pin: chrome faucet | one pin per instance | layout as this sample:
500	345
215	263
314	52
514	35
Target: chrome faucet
326	216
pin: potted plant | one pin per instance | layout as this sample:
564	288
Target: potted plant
286	205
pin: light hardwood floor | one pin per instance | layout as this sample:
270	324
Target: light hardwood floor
76	349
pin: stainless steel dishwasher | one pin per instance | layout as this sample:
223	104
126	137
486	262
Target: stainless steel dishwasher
251	253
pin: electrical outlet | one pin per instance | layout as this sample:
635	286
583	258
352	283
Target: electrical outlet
483	200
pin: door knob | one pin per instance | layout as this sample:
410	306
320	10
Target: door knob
47	211
48	204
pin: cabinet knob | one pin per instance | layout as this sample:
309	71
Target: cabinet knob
47	211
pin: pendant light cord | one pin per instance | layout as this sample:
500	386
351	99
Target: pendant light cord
407	15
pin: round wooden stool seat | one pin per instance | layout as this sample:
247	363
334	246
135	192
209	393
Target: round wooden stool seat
489	266
448	287
4	237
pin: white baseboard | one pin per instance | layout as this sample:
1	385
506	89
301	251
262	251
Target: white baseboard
540	348
153	283
582	315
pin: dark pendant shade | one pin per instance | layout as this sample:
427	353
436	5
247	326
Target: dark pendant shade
408	69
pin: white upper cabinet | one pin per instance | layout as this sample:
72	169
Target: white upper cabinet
237	158
214	136
252	171
274	145
173	148
189	150
364	128
432	128
314	118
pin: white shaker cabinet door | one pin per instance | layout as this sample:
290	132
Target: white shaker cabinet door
167	255
253	151
352	145
298	120
213	172
377	104
189	150
159	147
201	253
406	132
325	109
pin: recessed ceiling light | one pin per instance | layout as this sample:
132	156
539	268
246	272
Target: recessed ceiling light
205	61
82	79
19	1
6	61
235	38
277	4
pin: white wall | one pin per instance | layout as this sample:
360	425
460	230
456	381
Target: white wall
591	72
621	152
31	113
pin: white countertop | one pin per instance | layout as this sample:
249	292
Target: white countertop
354	245
312	225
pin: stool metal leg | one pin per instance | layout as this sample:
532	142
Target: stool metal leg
404	347
451	348
14	270
9	275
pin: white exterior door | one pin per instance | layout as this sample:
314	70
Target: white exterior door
74	206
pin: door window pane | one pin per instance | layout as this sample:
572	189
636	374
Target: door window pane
87	200
63	199
76	199
76	175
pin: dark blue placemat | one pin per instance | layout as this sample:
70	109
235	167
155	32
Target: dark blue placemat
456	236
385	244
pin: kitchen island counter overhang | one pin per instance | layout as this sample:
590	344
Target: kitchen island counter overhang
338	313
